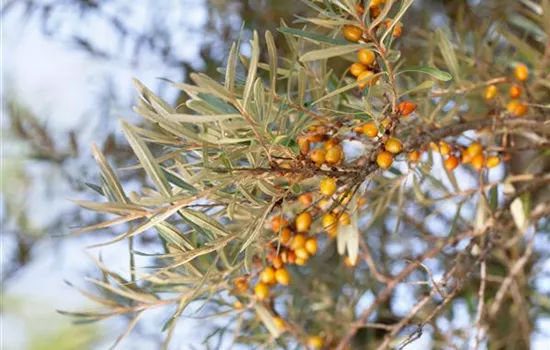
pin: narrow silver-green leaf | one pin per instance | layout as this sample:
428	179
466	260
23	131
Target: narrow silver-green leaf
194	118
331	52
253	66
436	73
231	69
448	53
152	168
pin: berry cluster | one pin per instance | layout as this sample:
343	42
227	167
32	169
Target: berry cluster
321	148
515	107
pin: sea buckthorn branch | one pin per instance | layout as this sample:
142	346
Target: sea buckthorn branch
491	225
427	136
467	89
383	55
445	280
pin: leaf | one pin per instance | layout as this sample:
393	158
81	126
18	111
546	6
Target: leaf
251	77
256	227
176	180
404	7
267	319
518	214
436	73
201	219
426	85
343	89
312	36
530	53
231	69
331	52
109	176
448	53
194	118
152	168
152	222
546	16
272	53
212	86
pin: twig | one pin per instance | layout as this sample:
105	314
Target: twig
516	269
480	303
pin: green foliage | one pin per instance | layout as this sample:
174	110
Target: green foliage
217	174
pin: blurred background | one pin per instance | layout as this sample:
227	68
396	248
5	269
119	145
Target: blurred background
67	69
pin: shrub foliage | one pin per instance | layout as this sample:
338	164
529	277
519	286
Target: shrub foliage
345	195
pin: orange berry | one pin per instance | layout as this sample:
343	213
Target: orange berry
305	199
331	143
311	246
451	163
267	276
490	92
349	263
357	68
492	162
261	290
315	342
344	219
366	79
301	262
323	203
366	57
466	157
303	145
352	33
318	156
370	129
360	9
393	145
241	284
278	322
282	276
521	110
238	305
344	197
277	262
375	3
515	91
285	235
434	147
332	231
385	122
301	253
414	156
397	30
521	72
315	138
288	256
297	242
516	108
329	221
444	148
375	11
362	201
358	128
384	159
328	186
278	222
334	155
474	149
406	107
303	222
478	161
